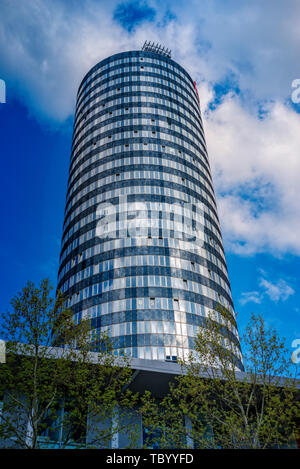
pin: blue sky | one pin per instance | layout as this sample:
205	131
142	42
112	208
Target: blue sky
244	57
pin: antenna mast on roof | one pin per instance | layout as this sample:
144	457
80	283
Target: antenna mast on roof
156	48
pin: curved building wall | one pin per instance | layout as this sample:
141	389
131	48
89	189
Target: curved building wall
142	252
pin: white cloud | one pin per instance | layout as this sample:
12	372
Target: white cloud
278	290
258	41
251	297
48	46
256	168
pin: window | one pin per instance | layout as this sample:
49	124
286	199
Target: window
152	302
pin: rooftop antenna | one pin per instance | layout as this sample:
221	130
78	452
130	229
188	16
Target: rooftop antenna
156	49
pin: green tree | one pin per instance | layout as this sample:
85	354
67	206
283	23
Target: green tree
216	406
54	386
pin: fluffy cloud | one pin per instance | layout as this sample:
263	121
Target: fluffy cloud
276	291
251	297
253	137
256	41
48	45
256	169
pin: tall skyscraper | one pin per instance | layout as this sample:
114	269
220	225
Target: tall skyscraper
142	252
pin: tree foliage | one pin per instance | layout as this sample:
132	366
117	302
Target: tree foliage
61	384
212	404
54	386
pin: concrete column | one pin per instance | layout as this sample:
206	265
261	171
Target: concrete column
115	432
189	428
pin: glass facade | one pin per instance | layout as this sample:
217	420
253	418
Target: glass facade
142	252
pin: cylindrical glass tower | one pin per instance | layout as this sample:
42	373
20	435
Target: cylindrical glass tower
142	252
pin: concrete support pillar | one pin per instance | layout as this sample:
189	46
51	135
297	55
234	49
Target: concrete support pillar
115	431
188	427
